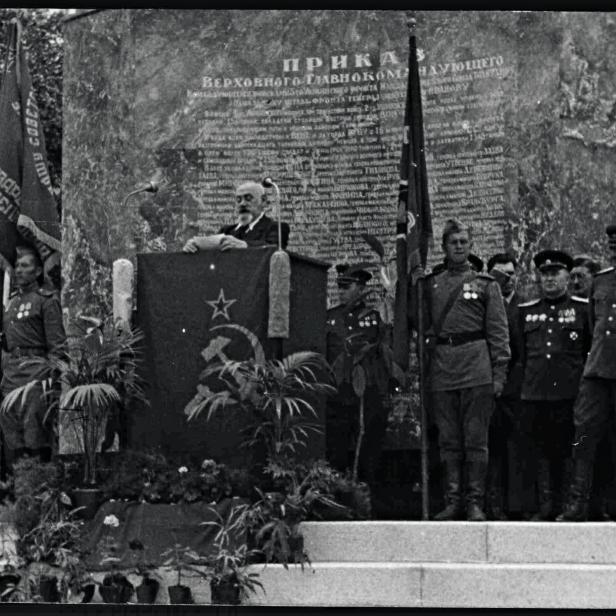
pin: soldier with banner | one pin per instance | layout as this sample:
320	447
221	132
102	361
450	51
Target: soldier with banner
468	343
28	215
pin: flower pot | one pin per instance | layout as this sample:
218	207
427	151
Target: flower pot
88	593
147	590
8	582
48	589
116	589
179	594
89	499
225	592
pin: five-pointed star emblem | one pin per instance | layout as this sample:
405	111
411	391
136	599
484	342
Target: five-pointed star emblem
221	305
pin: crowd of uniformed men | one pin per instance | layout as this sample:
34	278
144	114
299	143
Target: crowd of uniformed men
522	393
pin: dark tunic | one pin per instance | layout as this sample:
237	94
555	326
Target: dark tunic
32	326
602	358
556	339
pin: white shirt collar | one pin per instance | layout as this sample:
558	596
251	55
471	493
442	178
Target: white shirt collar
251	226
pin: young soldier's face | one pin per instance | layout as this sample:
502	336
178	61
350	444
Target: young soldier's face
26	270
554	281
349	291
457	247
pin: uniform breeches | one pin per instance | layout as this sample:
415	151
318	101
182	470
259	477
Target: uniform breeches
594	408
463	420
23	424
549	426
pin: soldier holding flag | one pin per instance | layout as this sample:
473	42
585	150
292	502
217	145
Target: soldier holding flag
28	215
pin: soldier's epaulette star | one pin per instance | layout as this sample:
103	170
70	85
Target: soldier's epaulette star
532	302
577	298
605	271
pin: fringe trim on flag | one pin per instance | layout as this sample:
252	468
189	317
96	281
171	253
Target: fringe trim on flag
279	295
39	234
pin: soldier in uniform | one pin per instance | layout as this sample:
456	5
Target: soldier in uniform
595	406
503	267
468	339
350	325
555	341
32	327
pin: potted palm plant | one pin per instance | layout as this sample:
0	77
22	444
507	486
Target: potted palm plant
95	372
226	565
278	395
181	559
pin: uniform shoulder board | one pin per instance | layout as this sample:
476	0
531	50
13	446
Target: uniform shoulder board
13	293
485	276
605	271
532	302
577	298
47	292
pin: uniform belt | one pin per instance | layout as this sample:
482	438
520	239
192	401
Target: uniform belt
27	352
461	338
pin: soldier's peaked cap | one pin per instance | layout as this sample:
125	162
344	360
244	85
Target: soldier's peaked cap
550	259
611	230
476	262
356	272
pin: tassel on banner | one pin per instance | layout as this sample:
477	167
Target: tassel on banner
279	295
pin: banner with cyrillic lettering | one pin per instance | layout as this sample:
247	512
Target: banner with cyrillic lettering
28	209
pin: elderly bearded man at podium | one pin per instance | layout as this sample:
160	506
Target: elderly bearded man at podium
253	227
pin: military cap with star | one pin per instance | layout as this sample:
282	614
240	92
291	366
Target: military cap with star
586	261
553	259
349	273
610	230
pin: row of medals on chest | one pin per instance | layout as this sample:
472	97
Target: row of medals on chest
565	316
24	310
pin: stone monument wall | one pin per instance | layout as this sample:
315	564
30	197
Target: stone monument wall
519	109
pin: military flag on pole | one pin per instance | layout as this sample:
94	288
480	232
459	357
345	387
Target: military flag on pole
414	222
28	209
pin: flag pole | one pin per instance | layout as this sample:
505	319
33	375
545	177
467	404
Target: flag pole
421	195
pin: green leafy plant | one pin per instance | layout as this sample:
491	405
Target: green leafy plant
279	395
183	560
95	373
228	562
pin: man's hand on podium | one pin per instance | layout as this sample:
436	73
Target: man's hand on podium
228	242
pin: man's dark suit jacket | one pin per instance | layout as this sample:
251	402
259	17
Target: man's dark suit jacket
265	232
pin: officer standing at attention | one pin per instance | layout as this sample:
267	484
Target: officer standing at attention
556	339
350	325
595	406
32	327
468	342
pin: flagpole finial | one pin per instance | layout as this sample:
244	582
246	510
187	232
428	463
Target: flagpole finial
411	21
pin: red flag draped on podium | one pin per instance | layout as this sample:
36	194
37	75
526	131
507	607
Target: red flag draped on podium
414	222
27	204
413	238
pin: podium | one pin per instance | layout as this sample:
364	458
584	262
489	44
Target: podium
195	308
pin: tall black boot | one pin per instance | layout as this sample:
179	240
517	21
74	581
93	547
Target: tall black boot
545	492
577	508
475	489
495	499
453	492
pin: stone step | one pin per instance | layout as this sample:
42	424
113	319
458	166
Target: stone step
445	585
461	542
